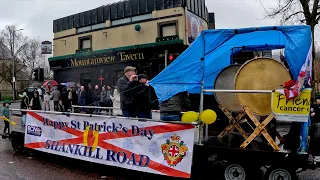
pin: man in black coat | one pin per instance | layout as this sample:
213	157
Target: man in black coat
89	100
126	85
96	98
24	105
142	98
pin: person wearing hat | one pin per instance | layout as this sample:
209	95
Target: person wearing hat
6	113
126	85
142	100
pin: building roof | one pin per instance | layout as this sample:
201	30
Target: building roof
126	9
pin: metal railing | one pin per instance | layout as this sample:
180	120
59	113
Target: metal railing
97	115
237	91
101	108
94	107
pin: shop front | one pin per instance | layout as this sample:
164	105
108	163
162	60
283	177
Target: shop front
105	67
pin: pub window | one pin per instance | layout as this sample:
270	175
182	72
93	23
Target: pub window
168	29
85	42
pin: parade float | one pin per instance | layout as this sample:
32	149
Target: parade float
250	93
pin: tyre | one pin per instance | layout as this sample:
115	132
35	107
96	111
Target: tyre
17	141
234	172
279	173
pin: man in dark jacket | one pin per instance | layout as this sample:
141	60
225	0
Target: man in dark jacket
142	100
65	100
36	102
126	86
89	100
96	98
24	105
170	110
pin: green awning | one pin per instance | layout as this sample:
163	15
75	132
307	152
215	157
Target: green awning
125	48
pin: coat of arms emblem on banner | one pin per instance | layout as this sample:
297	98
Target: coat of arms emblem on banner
174	151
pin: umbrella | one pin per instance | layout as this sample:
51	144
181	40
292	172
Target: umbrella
50	83
64	84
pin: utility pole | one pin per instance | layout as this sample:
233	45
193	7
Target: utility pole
13	65
13	68
165	58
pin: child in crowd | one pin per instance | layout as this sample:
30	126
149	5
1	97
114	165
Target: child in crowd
6	113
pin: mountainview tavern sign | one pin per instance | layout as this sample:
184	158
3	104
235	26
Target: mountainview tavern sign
106	59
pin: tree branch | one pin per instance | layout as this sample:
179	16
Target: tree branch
291	15
315	7
281	9
318	19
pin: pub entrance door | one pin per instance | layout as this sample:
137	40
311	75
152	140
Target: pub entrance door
85	79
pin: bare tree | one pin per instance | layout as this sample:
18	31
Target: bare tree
12	43
31	56
297	11
25	52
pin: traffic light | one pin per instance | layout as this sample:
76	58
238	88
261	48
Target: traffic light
41	75
170	57
36	75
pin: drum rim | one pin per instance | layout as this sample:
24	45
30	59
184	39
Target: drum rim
254	59
214	85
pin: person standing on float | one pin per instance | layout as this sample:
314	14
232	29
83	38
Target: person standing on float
126	85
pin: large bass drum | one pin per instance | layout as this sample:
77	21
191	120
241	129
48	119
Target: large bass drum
225	80
260	74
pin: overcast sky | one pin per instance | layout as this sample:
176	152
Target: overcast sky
36	16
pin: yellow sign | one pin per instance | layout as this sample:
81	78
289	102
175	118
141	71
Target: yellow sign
296	109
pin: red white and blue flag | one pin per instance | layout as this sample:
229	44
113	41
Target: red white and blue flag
294	88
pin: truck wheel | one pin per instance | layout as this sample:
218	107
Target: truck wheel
279	173
17	142
234	172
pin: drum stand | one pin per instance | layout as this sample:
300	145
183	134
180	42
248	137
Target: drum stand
234	123
260	127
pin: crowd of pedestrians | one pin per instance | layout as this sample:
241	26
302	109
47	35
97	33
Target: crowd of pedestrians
63	98
103	96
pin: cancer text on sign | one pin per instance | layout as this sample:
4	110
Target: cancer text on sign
153	147
296	109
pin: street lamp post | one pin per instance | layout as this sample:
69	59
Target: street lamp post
13	65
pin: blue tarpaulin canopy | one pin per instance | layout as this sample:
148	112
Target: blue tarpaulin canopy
216	48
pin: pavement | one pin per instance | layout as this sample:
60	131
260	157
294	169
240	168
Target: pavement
44	166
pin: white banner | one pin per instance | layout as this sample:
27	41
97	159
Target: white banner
154	147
